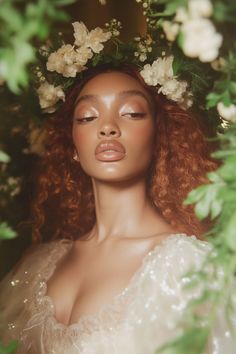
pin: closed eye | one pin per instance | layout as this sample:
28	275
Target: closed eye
135	115
85	119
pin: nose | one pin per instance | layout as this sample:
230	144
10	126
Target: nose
109	129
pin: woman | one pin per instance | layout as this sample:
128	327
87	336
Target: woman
120	160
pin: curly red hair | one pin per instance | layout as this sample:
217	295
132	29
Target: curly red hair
63	204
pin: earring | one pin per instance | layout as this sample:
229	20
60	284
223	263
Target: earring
76	157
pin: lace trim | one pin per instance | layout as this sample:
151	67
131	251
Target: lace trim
110	313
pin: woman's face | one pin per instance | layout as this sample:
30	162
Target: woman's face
113	127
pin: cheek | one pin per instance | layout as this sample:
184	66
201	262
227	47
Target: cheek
143	136
80	138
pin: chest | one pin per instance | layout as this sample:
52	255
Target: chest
84	289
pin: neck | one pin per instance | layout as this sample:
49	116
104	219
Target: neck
124	210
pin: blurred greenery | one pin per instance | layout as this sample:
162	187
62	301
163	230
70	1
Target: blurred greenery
8	349
21	22
22	25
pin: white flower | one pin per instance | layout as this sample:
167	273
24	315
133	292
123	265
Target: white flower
163	68
227	112
187	100
174	89
49	95
158	72
92	39
95	39
200	8
201	39
218	64
80	33
171	30
181	15
142	57
69	60
161	73
148	75
15	184
83	54
102	2
66	61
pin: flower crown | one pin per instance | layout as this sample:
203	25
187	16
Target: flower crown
160	61
99	46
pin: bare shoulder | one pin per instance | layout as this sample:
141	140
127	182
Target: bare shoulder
161	236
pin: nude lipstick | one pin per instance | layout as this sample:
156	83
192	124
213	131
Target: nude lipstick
110	150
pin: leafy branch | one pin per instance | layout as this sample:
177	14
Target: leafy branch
217	274
21	23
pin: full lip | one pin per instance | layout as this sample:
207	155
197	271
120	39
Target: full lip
113	145
110	151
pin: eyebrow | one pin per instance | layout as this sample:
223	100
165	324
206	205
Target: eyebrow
120	94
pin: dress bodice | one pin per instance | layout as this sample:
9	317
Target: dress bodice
137	321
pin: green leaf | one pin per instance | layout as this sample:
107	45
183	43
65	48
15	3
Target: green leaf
177	64
9	348
195	195
11	17
203	207
226	98
180	39
6	232
212	99
214	177
225	11
229	233
4	157
232	87
216	207
227	195
192	341
228	170
63	2
171	7
60	16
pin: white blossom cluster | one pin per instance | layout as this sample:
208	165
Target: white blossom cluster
227	112
12	186
160	73
49	95
69	60
114	27
143	47
200	39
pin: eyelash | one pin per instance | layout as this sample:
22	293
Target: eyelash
135	115
84	120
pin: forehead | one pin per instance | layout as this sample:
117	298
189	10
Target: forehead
111	83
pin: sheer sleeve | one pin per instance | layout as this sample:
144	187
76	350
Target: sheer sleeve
17	289
162	299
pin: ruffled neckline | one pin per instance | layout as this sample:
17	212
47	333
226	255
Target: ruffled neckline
110	310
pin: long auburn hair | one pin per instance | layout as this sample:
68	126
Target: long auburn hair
63	202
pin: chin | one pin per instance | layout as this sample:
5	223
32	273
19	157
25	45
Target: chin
113	175
117	171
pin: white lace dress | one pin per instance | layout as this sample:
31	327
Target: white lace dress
137	321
